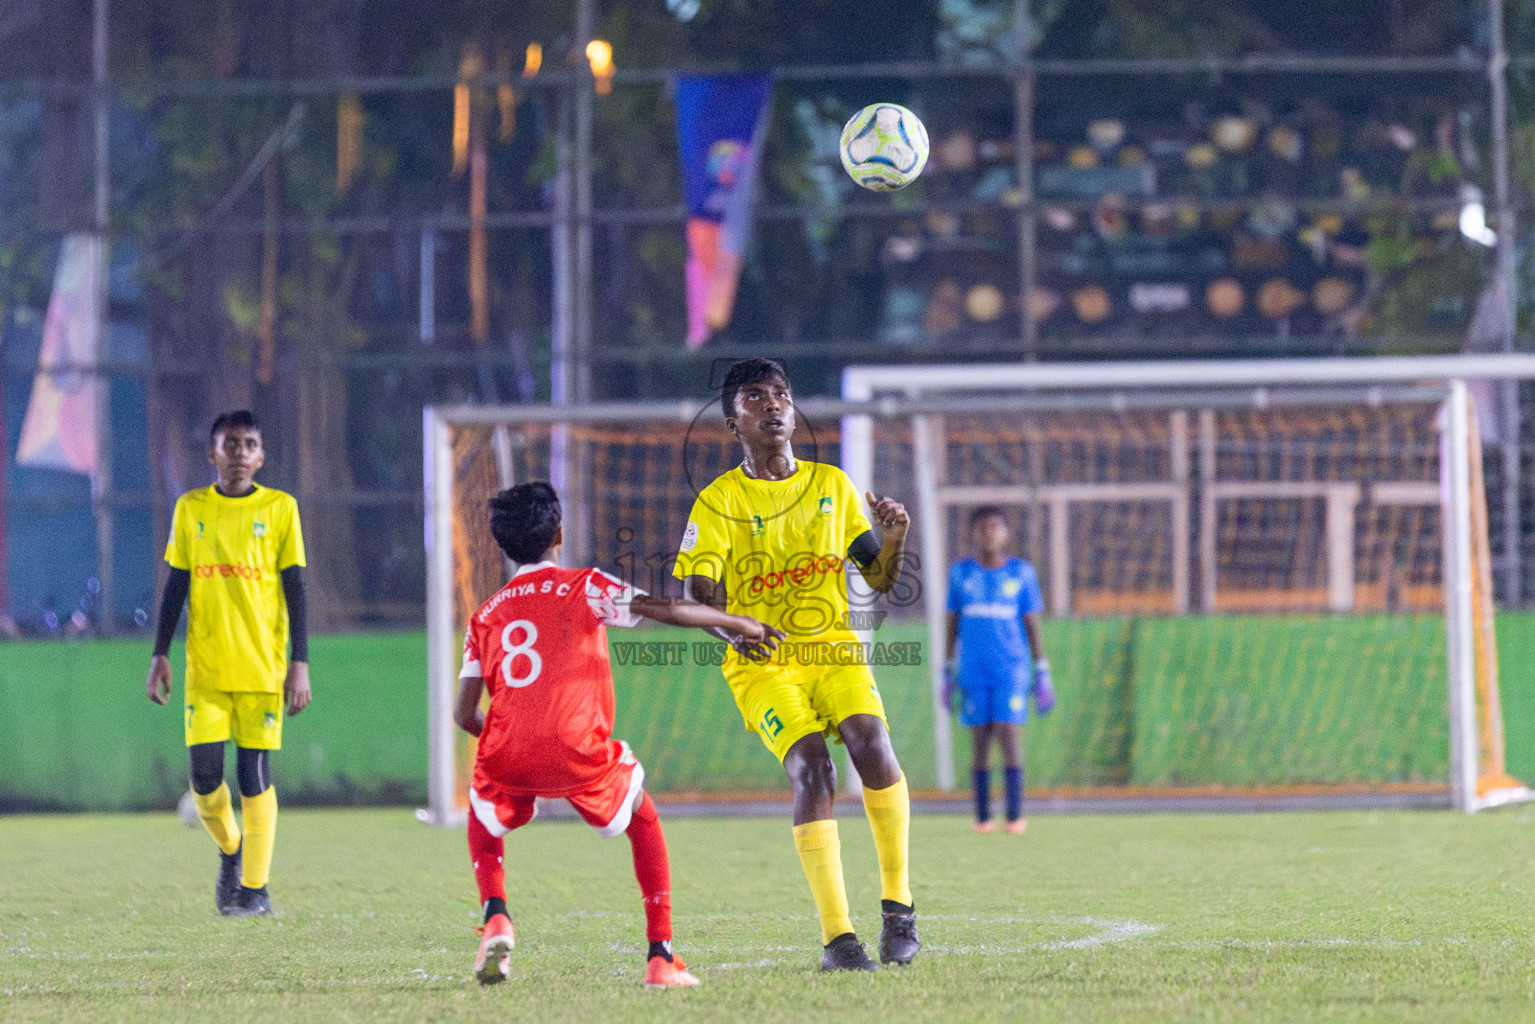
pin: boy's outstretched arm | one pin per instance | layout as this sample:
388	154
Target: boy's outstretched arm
741	631
706	591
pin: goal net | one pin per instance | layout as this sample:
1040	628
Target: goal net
1250	588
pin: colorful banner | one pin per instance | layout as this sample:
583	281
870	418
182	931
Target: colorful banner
721	121
61	428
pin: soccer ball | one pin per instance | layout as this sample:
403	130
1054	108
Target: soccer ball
884	147
186	810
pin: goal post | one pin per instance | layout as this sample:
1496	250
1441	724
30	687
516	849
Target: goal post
469	453
1330	392
1261	577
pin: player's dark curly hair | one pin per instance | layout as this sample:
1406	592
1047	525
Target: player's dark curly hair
748	371
239	419
986	512
523	519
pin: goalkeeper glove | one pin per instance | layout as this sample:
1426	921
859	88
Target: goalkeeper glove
1044	693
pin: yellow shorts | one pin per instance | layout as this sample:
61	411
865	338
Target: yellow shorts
252	720
784	704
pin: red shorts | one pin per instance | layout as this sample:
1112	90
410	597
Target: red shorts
606	807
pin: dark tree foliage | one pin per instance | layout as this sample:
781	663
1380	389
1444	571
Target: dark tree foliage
342	295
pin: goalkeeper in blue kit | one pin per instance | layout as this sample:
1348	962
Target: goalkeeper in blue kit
993	620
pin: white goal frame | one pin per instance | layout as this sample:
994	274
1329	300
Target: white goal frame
920	394
1256	383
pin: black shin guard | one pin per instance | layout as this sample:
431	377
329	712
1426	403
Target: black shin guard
207	767
254	770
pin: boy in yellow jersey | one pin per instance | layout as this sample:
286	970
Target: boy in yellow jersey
774	539
237	552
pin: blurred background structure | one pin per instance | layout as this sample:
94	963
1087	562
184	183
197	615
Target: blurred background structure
336	213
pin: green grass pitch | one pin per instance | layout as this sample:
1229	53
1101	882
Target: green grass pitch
1352	916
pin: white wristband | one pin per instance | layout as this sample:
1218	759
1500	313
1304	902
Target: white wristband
1042	664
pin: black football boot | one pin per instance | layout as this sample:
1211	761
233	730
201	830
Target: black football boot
250	903
228	883
846	953
898	941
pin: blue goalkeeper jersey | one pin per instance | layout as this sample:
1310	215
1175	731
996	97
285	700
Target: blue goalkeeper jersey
991	604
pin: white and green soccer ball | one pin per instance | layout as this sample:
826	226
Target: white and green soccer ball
884	147
186	810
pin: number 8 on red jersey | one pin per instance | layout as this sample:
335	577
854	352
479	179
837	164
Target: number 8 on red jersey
524	649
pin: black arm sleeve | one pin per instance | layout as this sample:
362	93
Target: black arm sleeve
864	549
298	610
174	598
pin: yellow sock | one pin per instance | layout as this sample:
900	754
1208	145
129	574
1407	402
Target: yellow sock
260	834
218	815
889	812
820	854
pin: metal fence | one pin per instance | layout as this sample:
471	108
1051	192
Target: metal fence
338	310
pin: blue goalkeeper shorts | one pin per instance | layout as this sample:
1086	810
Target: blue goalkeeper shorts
984	705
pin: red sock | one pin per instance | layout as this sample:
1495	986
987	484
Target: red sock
653	870
485	852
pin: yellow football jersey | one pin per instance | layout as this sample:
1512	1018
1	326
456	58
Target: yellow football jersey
780	548
237	617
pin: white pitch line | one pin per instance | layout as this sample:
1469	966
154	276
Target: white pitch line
749	965
1328	943
1113	931
1108	933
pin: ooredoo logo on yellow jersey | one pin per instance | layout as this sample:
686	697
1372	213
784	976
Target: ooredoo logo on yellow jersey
795	576
245	572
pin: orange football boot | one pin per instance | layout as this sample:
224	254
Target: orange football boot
496	941
1017	827
663	973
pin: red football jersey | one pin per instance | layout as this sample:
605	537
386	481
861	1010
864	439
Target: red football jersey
540	644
